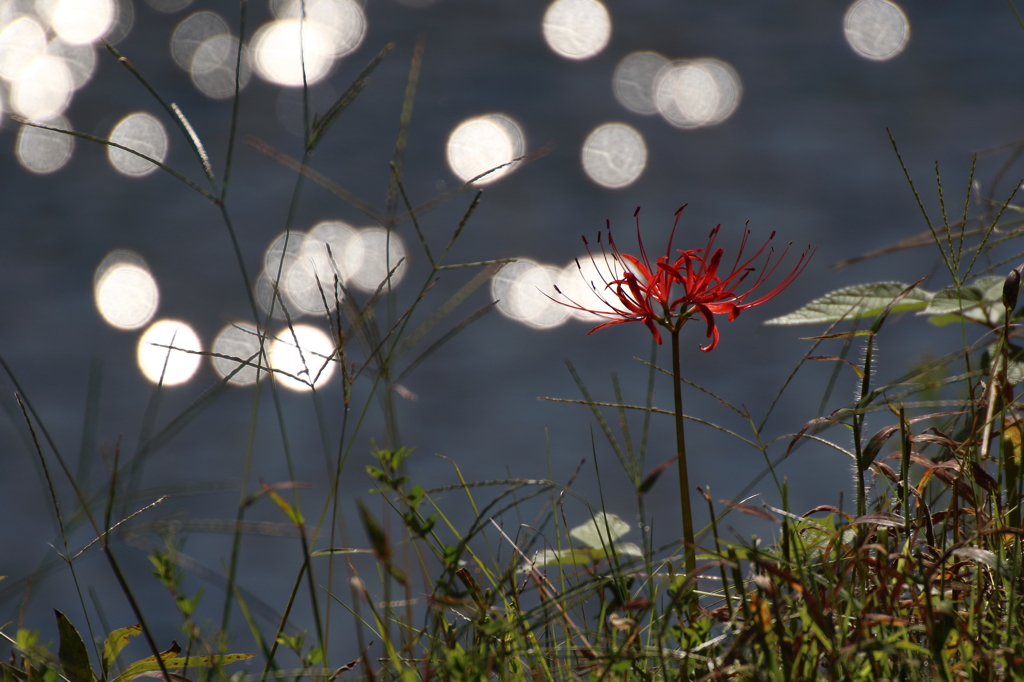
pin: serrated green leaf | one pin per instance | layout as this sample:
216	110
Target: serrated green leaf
74	658
174	662
951	300
991	287
859	300
116	641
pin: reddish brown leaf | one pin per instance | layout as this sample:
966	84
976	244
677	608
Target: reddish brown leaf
748	509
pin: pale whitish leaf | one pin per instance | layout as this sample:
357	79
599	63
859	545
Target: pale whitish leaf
620	549
859	300
554	557
1015	373
595	533
982	556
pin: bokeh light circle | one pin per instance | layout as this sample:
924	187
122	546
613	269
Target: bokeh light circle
634	79
192	32
577	29
479	144
686	95
21	42
168	6
125	292
283	252
524	291
214	65
728	85
143	133
43	89
331	244
302	365
44	151
379	252
876	29
241	341
614	155
82	21
696	93
124	19
277	56
310	280
342	22
80	60
584	283
163	352
263	290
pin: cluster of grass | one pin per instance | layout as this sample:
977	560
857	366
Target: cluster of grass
922	582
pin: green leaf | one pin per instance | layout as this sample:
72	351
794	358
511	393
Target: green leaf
859	300
600	531
293	514
950	300
379	476
415	496
991	288
187	606
26	639
116	641
293	642
374	532
452	555
74	658
174	662
397	574
417	527
973	314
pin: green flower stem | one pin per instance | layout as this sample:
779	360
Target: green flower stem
684	481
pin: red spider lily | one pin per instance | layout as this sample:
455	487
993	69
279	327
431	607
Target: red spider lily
650	293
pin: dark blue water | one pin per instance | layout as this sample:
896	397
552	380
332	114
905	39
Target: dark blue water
806	154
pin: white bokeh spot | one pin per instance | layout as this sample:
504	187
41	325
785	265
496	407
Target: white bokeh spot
168	352
577	29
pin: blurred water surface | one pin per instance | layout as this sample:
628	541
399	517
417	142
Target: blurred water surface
772	113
